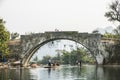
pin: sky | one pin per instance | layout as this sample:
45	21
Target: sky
25	16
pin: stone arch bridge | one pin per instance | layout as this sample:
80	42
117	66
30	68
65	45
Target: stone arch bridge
32	42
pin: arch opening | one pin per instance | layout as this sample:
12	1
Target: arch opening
76	47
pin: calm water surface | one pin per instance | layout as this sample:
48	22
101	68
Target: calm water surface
62	73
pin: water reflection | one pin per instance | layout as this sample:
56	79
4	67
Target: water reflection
62	73
4	75
112	74
34	74
49	71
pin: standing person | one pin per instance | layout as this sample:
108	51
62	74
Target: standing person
49	62
4	60
79	63
9	63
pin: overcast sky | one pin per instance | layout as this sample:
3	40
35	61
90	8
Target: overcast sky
47	15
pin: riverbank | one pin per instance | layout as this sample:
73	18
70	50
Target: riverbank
4	65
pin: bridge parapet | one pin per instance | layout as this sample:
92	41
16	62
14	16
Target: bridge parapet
61	34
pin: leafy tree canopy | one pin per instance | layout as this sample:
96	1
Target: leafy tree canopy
4	37
114	13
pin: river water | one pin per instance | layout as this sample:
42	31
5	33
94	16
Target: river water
88	72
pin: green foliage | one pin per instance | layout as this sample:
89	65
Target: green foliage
35	59
80	54
66	57
45	59
108	35
4	37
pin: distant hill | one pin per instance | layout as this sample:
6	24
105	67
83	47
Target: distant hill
108	29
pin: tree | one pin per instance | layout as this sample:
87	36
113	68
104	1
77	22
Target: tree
45	59
35	59
80	54
4	37
114	13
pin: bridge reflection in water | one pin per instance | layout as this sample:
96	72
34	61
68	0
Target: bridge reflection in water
62	73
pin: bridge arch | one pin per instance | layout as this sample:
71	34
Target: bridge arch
31	43
37	47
